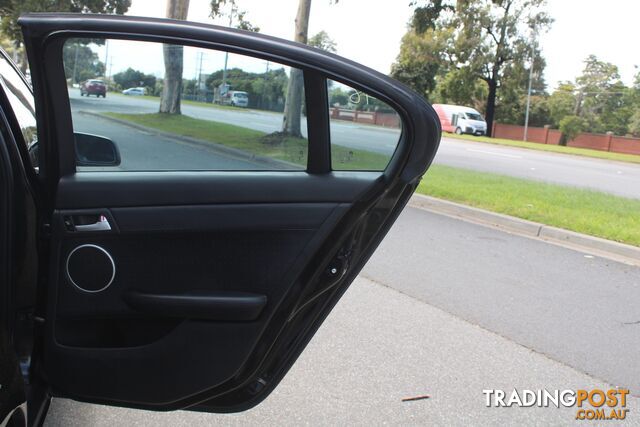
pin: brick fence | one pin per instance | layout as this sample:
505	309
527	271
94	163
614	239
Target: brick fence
546	135
390	120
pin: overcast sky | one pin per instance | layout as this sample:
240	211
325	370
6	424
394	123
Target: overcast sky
369	31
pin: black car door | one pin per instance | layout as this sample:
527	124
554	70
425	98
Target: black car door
189	259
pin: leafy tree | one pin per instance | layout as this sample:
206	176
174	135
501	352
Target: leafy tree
338	97
600	95
599	98
513	111
81	62
562	103
422	51
421	59
511	99
460	87
10	47
487	38
634	124
425	16
632	101
490	38
134	78
538	110
218	10
633	94
322	41
10	10
571	126
266	90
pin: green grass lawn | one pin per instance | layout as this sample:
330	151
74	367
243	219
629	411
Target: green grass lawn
630	158
290	149
590	212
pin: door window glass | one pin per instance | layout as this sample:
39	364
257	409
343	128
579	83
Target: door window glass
172	107
364	130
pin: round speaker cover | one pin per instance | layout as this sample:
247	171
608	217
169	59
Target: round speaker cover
90	268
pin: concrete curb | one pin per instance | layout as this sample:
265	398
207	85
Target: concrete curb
266	162
582	242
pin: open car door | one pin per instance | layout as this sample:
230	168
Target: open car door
178	280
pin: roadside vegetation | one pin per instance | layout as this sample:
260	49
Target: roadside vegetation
276	145
190	102
585	152
584	211
479	54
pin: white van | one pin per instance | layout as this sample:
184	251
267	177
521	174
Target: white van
238	98
460	119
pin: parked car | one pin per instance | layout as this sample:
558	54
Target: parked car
135	91
235	98
238	99
93	87
460	119
169	290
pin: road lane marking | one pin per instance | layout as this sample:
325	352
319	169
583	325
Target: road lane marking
513	156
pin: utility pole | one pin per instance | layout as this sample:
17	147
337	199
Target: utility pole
75	64
199	75
526	114
106	55
195	77
263	102
226	54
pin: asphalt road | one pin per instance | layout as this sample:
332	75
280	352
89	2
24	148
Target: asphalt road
602	175
141	150
447	308
576	308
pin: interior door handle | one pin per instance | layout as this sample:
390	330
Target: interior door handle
207	305
102	224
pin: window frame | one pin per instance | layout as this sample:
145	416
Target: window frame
397	143
316	98
59	159
12	119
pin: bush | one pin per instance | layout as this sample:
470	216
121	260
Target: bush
571	126
634	124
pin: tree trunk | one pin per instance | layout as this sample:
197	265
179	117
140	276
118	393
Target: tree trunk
491	106
293	104
173	57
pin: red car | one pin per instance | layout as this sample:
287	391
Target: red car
93	87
